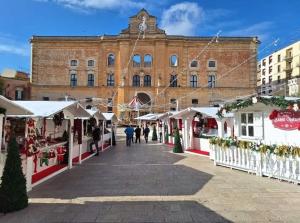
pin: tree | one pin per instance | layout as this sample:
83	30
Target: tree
154	134
178	147
1	87
13	194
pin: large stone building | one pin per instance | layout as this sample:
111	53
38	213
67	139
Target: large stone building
144	61
279	72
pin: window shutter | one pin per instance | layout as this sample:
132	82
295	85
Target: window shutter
258	125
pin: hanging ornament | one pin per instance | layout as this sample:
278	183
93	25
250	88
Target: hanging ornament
295	107
254	100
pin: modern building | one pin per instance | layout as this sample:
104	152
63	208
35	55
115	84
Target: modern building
164	71
15	85
279	72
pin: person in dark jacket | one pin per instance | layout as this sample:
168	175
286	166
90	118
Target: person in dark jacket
138	134
96	138
146	133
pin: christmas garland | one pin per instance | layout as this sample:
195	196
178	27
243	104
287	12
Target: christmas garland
2	110
280	102
58	119
278	150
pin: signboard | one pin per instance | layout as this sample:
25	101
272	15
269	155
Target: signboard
287	120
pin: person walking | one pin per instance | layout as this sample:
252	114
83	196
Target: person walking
138	134
146	133
96	138
160	134
129	134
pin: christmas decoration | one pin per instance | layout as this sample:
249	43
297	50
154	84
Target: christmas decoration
58	119
2	110
51	153
13	195
280	102
31	142
154	134
178	147
273	114
44	158
61	151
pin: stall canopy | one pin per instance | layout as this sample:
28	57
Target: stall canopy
50	108
207	111
13	108
110	117
96	114
167	115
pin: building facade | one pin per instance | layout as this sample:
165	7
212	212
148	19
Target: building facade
15	85
164	71
279	72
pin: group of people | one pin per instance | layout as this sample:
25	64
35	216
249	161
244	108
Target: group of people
130	132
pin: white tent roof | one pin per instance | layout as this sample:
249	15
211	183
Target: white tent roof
49	108
110	116
13	108
207	111
167	115
96	113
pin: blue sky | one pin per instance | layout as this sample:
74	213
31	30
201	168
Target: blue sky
20	19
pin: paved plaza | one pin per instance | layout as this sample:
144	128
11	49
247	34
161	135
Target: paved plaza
148	183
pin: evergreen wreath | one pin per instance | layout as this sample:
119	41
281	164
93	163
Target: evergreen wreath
58	119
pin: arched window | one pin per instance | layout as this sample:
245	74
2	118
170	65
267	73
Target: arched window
194	63
136	60
173	61
111	60
173	80
147	81
193	81
136	81
110	80
73	80
147	60
211	80
91	80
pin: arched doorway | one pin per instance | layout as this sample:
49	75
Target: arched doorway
144	98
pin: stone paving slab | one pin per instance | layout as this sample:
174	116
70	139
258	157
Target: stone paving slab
148	183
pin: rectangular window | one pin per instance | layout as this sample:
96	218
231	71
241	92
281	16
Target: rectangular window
211	81
270	59
278	79
46	98
173	101
264	81
91	63
247	124
211	63
278	58
278	68
264	62
73	63
263	71
270	69
270	79
194	101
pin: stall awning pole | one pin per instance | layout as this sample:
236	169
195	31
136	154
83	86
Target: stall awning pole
1	129
102	145
71	130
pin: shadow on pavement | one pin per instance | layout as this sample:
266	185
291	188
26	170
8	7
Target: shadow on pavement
185	211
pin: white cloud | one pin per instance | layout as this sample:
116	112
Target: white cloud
259	29
182	18
13	47
83	5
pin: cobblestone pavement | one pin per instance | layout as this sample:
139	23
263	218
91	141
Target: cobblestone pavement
148	183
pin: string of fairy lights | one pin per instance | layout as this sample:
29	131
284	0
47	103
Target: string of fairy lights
214	39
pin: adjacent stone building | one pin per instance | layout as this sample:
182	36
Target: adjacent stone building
15	85
144	61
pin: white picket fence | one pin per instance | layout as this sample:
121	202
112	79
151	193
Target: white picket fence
283	168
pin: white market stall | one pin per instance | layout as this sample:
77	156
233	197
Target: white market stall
8	107
111	122
267	141
199	125
47	136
